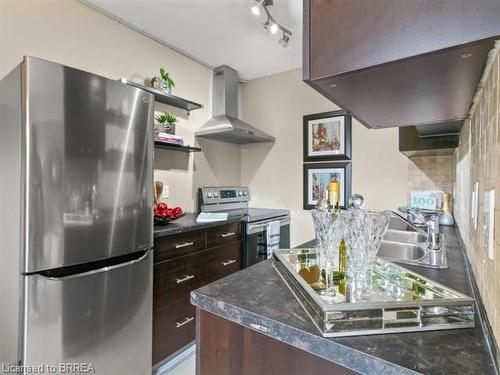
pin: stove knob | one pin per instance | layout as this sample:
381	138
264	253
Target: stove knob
209	194
216	194
240	193
245	193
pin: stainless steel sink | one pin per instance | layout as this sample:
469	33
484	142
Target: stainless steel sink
411	237
406	243
398	224
400	252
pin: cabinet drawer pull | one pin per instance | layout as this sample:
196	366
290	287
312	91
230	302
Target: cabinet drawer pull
185	244
224	235
188	277
228	262
185	321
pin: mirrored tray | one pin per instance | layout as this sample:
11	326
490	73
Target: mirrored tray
399	300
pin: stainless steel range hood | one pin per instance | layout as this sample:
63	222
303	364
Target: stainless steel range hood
225	125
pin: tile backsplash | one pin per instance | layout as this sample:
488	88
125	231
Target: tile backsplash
430	173
477	159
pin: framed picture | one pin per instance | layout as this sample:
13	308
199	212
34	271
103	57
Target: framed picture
327	136
317	176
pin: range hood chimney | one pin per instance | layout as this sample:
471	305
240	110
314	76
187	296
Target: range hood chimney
225	125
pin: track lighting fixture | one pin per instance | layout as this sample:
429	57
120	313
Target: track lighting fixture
274	28
255	8
270	24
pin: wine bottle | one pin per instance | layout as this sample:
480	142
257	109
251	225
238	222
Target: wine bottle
339	273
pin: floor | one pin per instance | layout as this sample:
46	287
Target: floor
187	367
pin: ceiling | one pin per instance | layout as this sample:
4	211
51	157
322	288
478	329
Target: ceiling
217	32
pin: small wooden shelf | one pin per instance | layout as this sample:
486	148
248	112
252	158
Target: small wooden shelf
174	147
166	98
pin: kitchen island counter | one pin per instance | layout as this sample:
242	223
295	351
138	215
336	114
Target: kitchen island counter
258	300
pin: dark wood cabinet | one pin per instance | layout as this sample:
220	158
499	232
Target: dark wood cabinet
173	328
397	63
227	348
184	262
223	234
182	244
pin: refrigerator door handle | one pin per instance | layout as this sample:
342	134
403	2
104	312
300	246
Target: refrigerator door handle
99	270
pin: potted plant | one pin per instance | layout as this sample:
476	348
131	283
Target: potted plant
163	82
167	121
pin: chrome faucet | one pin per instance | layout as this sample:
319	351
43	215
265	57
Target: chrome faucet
431	223
417	214
433	241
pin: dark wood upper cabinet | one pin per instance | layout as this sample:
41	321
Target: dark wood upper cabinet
398	63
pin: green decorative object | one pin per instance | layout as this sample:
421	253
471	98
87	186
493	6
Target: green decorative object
163	82
167	120
171	119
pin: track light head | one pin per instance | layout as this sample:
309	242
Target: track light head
267	24
255	8
285	39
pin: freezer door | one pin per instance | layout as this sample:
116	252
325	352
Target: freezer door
100	318
89	173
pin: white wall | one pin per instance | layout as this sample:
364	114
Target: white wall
70	33
274	173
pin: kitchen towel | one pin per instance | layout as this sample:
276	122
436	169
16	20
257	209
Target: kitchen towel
273	237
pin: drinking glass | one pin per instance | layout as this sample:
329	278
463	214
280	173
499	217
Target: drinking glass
363	233
329	233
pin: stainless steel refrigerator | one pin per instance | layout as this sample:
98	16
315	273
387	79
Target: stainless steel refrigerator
75	221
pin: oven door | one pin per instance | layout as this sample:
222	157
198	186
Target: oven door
256	239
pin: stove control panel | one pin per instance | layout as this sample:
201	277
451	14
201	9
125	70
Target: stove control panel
221	195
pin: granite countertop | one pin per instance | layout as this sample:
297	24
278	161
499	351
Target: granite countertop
257	298
188	223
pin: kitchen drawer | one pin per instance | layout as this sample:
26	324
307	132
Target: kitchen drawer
224	261
223	234
173	328
173	280
170	247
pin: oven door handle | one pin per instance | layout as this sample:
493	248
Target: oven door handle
261	226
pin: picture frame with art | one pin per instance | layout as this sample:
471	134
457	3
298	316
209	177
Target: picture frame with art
317	176
327	136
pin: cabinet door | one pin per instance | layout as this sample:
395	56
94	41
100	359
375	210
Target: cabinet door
223	234
173	328
336	42
175	279
226	259
171	247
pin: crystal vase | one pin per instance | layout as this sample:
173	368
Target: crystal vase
329	232
363	233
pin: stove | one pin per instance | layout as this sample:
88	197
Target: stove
235	201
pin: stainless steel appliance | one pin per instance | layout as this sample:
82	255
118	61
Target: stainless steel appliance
75	221
225	125
235	200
